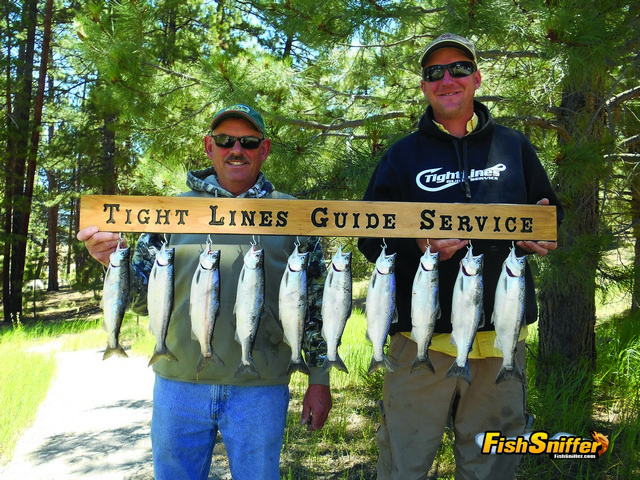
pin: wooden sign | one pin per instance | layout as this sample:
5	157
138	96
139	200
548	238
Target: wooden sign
330	218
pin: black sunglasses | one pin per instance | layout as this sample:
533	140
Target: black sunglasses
227	141
462	69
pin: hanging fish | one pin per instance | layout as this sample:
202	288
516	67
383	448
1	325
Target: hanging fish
381	308
204	304
248	308
115	299
425	307
508	314
293	307
336	308
160	302
466	312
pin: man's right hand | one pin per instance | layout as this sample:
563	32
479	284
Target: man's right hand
100	245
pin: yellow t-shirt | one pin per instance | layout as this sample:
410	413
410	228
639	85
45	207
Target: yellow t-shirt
471	124
483	345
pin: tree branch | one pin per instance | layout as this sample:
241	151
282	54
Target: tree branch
340	126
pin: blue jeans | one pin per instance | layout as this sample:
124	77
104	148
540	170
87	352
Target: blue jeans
186	418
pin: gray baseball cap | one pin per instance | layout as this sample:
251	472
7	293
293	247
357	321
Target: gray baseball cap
449	40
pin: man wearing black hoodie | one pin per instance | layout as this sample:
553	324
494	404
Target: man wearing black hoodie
458	154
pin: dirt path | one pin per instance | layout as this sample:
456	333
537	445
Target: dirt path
93	425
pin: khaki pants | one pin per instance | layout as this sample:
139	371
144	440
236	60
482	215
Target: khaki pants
417	406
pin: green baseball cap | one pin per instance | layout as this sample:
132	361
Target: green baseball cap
239	111
450	40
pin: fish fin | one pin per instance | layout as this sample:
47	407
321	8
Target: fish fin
337	363
117	350
382	363
166	354
394	315
204	361
506	373
458	371
249	369
423	362
300	366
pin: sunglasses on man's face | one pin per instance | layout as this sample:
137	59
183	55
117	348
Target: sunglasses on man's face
434	73
227	141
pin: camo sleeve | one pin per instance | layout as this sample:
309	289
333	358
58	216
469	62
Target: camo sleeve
314	346
141	264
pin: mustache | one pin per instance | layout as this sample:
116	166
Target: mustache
235	156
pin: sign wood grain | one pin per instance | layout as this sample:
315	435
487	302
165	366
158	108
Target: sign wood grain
330	218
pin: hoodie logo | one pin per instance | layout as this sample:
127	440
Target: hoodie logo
435	180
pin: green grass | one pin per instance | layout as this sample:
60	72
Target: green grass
24	382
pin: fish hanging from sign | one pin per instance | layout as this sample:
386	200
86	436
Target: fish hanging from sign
115	298
508	314
336	308
425	307
160	302
248	308
466	311
204	304
381	308
293	307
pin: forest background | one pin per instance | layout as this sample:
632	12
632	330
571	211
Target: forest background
114	97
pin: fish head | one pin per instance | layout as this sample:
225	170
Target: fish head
298	261
429	261
515	265
209	259
254	258
119	257
385	264
471	265
165	255
341	261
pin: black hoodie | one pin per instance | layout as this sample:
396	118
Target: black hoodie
493	164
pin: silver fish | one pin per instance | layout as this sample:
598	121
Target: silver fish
466	312
160	302
425	307
204	304
293	307
248	308
508	314
336	308
115	299
381	308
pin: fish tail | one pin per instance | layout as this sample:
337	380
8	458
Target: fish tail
117	350
458	371
423	362
159	355
204	360
247	369
382	363
337	363
506	373
202	363
298	366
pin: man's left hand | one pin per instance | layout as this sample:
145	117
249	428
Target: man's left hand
316	406
542	247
